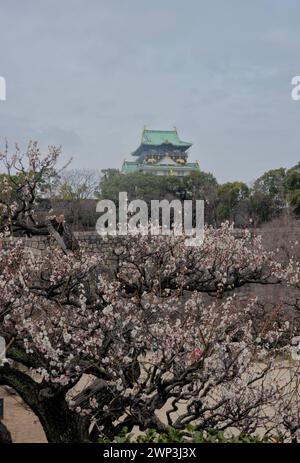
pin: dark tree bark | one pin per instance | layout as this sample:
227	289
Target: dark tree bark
60	424
5	436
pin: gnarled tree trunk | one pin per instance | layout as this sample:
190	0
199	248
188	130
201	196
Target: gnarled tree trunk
5	436
60	424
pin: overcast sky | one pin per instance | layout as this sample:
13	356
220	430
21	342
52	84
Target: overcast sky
89	74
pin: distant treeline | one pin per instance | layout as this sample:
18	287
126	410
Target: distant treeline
274	193
74	193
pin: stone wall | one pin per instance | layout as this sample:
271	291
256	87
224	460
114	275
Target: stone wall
91	241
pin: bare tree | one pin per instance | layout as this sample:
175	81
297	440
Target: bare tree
77	184
26	178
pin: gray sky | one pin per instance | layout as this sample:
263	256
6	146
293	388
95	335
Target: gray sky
88	74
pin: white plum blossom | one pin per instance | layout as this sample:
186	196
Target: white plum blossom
109	346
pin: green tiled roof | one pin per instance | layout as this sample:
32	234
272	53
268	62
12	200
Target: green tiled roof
129	167
157	138
161	137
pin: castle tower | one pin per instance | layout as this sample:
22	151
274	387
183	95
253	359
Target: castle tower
161	152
